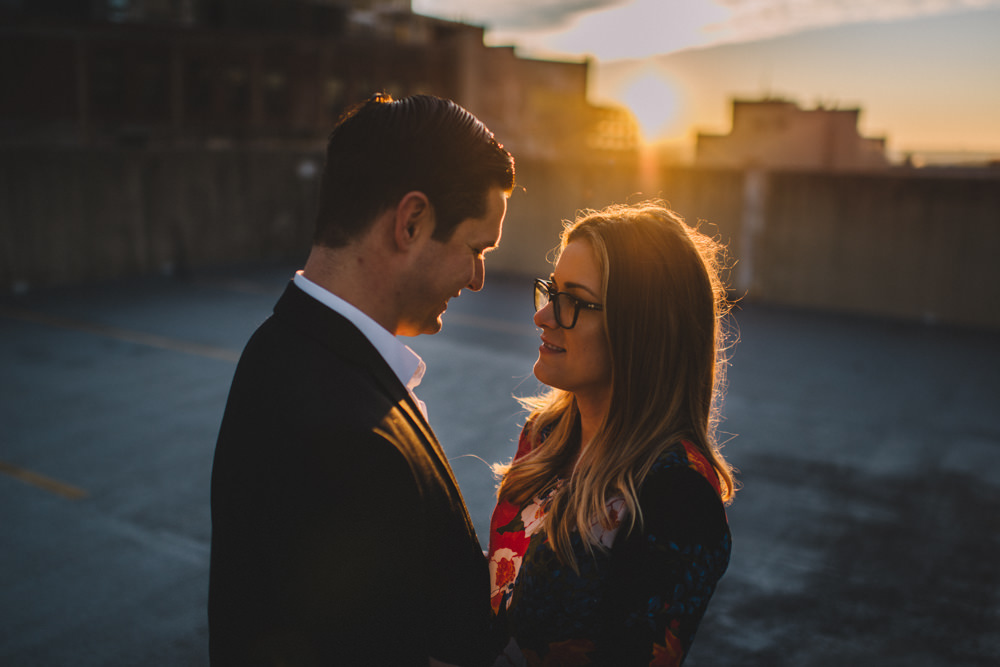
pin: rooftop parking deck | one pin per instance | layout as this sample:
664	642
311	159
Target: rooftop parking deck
867	531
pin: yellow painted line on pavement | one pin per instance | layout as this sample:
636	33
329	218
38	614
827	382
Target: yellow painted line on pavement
221	353
42	482
127	335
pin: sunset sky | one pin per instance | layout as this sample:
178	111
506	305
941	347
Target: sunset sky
926	73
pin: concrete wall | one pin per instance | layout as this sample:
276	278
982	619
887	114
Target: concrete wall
78	215
902	244
911	245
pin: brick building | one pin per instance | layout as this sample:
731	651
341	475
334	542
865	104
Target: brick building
216	73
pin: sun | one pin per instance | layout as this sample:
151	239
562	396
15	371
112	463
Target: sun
655	101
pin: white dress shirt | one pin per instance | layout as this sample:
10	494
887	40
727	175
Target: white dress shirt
404	362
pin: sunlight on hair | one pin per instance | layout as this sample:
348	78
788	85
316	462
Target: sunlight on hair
655	100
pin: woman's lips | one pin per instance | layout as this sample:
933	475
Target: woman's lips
549	347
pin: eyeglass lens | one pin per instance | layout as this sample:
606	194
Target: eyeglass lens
562	305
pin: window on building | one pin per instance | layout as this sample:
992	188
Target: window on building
107	82
199	88
149	77
334	91
39	77
274	86
235	85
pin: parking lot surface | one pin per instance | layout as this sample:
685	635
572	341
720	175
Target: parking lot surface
867	531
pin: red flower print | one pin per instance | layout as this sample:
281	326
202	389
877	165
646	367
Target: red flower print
669	655
568	653
698	462
504	565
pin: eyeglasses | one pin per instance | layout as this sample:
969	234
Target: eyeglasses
565	306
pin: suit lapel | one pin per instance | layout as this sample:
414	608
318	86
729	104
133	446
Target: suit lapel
434	448
336	332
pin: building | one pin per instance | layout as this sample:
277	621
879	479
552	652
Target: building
777	134
216	73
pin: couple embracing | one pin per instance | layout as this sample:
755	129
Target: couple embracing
340	536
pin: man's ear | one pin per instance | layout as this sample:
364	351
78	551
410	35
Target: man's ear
414	219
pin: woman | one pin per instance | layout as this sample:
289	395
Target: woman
610	534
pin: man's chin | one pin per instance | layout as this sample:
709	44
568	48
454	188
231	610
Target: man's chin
430	327
435	326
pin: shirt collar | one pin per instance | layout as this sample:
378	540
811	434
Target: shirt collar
404	362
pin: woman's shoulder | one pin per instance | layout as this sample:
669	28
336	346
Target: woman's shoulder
679	493
685	456
528	438
523	441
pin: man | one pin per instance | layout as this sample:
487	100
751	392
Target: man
340	536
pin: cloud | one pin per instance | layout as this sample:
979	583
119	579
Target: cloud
513	15
628	29
639	28
759	19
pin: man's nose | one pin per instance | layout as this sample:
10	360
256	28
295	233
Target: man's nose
478	276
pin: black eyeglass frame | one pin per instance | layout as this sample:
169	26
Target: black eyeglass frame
545	293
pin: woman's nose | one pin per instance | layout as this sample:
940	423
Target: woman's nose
545	316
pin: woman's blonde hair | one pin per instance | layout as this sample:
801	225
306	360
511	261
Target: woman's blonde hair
664	303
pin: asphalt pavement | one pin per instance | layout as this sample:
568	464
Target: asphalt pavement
867	531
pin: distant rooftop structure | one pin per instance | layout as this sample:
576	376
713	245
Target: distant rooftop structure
218	73
777	134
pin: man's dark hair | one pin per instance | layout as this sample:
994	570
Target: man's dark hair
383	148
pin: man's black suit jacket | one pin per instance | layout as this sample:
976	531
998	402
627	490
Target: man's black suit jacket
339	534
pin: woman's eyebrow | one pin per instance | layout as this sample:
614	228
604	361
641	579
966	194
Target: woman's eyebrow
571	285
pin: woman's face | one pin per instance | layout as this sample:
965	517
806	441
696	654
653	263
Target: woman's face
577	360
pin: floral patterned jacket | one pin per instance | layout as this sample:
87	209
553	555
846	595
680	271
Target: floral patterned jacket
638	604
